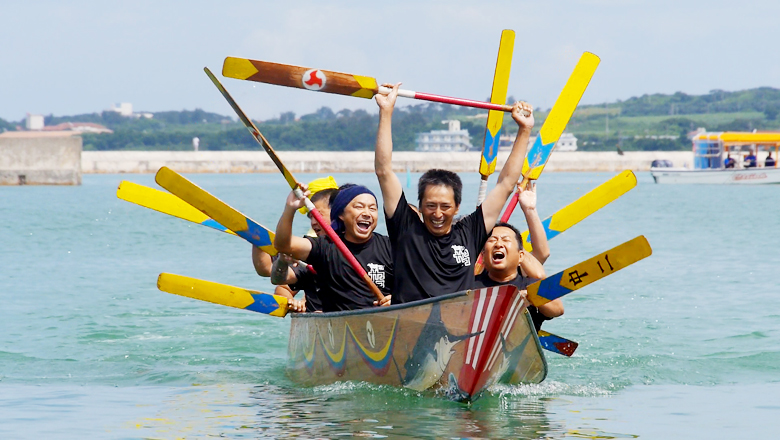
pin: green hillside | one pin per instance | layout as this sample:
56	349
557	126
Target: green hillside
649	122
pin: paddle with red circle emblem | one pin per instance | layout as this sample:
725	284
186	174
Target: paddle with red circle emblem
327	81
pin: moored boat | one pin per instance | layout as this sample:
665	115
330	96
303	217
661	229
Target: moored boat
710	151
457	344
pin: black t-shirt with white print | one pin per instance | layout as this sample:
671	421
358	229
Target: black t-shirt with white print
307	281
428	265
340	286
484	280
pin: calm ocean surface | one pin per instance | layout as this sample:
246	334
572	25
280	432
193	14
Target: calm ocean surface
684	344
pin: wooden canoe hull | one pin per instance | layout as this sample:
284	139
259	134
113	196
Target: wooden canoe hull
458	344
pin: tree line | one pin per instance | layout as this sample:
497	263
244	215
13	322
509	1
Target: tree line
350	130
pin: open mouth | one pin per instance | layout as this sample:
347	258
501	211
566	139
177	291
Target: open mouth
437	223
363	226
498	256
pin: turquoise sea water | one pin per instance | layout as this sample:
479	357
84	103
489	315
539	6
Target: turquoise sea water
684	344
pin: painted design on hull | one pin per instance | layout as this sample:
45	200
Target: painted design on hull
377	361
337	353
431	353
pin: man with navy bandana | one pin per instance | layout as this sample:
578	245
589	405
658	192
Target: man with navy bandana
354	216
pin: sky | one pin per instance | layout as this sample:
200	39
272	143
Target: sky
82	56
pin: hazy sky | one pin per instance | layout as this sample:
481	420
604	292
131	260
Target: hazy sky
70	57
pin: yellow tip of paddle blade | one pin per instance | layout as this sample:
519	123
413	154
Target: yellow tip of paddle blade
239	68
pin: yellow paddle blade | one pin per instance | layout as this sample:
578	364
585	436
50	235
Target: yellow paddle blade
586	205
223	294
220	211
487	162
589	271
166	203
559	116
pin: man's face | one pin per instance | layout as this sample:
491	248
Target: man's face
323	206
438	208
360	218
501	251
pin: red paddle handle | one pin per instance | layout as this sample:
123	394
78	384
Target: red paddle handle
344	251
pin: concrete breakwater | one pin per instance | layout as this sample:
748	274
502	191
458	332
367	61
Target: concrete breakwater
354	161
40	159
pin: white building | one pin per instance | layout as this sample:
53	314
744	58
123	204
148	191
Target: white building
452	139
34	122
567	142
124	109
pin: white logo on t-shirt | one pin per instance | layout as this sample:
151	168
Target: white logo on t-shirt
377	274
461	255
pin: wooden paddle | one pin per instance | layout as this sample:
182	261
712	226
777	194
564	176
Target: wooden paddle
554	124
220	211
551	130
579	210
296	187
172	205
589	271
489	157
223	294
557	344
319	80
168	203
583	207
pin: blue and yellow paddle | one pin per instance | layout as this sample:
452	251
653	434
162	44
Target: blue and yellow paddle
583	207
487	162
588	271
557	344
554	124
223	294
168	203
579	210
218	210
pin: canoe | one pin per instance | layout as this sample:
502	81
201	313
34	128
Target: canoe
456	345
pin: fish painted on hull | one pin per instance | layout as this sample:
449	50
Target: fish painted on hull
431	353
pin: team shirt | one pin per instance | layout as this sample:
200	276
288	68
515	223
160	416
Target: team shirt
431	265
340	287
307	281
484	280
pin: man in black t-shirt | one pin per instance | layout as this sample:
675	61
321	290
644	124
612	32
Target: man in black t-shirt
291	280
503	257
434	256
354	216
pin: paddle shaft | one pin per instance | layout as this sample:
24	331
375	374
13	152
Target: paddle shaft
447	100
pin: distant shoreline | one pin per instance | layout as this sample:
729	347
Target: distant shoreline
108	162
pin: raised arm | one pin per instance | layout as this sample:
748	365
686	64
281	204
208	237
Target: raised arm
527	201
262	262
383	155
285	241
510	173
531	267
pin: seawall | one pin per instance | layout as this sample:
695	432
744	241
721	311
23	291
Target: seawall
353	161
40	159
